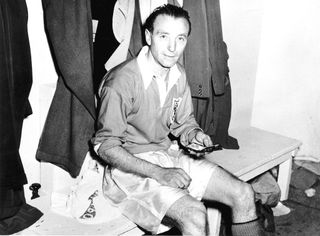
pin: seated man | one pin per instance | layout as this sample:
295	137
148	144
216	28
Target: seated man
142	101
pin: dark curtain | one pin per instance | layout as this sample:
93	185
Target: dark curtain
70	121
15	85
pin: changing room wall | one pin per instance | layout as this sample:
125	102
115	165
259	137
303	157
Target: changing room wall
241	26
43	87
274	67
287	89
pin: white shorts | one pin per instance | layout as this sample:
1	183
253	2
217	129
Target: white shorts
145	201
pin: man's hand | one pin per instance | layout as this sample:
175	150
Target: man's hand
173	177
200	138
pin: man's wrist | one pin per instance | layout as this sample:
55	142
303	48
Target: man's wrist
156	172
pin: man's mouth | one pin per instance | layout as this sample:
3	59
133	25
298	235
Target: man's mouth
170	56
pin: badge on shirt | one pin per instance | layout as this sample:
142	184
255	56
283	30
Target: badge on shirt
174	107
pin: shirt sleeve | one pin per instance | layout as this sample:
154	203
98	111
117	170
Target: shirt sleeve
111	122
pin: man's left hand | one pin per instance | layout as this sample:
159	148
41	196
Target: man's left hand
201	139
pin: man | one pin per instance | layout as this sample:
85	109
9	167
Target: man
142	101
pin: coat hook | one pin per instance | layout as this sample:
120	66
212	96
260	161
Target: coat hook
34	188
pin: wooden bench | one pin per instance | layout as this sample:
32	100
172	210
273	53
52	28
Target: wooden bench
259	151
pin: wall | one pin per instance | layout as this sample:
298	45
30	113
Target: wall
241	25
287	90
43	87
274	67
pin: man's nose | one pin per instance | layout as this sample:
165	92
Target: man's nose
172	45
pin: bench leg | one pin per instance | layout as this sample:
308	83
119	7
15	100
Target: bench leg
214	221
284	177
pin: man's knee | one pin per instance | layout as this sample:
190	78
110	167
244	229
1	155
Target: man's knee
196	213
189	215
243	194
195	216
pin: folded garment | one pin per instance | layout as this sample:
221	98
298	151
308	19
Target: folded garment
266	189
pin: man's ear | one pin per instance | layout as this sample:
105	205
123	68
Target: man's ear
148	36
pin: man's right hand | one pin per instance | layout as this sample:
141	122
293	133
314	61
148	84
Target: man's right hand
125	161
173	177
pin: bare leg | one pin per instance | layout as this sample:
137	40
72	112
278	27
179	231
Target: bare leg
227	189
188	215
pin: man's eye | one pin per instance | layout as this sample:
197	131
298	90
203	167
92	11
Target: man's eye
163	36
182	39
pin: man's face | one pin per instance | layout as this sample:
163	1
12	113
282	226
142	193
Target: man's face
168	39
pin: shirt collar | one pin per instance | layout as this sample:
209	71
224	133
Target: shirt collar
147	74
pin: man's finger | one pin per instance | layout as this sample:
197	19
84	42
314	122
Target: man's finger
207	141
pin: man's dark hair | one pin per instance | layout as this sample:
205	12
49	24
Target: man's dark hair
169	10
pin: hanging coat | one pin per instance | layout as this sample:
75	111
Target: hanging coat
15	85
206	63
70	120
